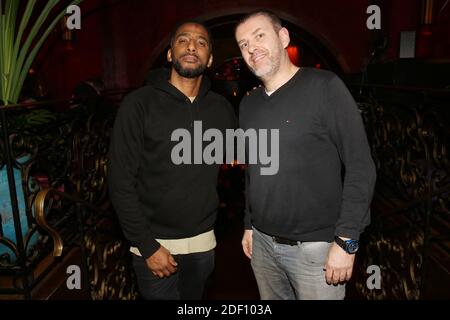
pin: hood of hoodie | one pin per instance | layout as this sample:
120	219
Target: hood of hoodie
159	79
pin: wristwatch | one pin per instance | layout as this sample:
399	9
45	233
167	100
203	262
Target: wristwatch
350	246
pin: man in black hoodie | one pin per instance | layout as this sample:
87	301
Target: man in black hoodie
167	211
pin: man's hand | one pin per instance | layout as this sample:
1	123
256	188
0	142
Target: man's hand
247	243
162	263
339	265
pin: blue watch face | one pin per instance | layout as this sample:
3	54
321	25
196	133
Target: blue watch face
352	246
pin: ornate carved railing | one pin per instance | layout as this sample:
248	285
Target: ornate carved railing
55	211
104	255
60	214
409	235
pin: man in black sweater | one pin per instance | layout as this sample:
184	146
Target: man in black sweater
167	210
303	223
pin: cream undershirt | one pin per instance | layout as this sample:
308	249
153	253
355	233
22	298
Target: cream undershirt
199	243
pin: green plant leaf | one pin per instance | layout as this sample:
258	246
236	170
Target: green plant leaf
16	55
16	84
9	25
2	77
33	53
23	23
39	117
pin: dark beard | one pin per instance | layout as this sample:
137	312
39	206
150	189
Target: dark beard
188	73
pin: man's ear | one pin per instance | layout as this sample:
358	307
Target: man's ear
169	55
210	61
284	36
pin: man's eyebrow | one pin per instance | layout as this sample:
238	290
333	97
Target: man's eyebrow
182	34
187	34
204	38
253	33
256	31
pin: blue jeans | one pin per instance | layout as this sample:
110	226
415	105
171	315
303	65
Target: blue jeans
187	283
292	272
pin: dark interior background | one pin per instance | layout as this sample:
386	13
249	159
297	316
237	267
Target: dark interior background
120	40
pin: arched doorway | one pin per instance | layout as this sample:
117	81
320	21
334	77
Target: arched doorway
230	75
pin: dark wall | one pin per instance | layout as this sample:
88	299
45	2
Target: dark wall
120	39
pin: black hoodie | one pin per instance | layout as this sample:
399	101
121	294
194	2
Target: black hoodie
154	198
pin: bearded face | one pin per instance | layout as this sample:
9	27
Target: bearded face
260	45
190	53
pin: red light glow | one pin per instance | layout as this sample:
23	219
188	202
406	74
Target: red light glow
294	55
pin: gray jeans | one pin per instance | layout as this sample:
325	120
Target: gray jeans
292	272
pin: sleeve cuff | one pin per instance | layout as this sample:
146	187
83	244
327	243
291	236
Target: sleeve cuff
346	233
247	221
148	247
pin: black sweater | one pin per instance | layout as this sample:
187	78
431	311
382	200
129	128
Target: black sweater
154	198
326	174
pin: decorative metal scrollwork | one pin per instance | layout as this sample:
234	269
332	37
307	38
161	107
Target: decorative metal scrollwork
409	146
63	179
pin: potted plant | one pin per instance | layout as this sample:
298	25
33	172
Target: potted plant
16	49
20	42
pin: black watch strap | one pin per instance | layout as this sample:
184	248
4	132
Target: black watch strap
340	242
349	246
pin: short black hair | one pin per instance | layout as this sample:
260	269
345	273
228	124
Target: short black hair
193	21
276	22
